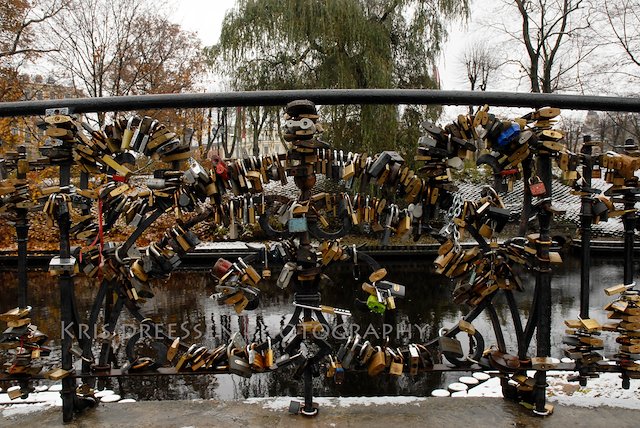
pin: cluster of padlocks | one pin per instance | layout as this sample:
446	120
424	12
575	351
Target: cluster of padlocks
382	195
96	150
624	316
26	341
15	194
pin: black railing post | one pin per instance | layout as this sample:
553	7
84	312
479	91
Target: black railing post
629	222
84	184
65	281
586	218
22	233
543	285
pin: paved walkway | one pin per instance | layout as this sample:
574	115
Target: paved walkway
430	412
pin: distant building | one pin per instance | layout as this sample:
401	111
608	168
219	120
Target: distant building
268	142
24	130
592	124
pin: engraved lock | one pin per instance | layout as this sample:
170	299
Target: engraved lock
377	363
397	363
286	274
537	187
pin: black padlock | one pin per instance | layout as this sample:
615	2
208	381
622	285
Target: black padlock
500	216
600	209
450	346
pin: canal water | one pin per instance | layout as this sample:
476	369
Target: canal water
184	306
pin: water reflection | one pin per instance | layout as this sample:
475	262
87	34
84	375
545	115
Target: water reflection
183	304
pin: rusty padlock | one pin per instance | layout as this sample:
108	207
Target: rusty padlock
537	187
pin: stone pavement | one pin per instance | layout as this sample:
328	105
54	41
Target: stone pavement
429	412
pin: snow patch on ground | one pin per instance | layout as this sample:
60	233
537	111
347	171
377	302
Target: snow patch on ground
489	388
603	391
280	403
25	409
35	397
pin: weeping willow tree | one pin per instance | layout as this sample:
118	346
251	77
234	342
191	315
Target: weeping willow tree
299	44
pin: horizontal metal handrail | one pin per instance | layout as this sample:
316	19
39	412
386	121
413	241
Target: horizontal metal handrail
322	96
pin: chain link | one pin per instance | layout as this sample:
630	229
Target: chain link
450	229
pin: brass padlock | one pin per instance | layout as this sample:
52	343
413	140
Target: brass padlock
269	356
414	361
185	357
486	231
256	360
331	368
397	363
377	363
173	349
378	275
266	272
366	352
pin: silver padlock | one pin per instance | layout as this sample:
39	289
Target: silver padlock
348	358
238	341
286	274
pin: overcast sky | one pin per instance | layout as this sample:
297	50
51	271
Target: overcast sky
205	18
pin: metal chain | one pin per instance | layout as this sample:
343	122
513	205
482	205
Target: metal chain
450	229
